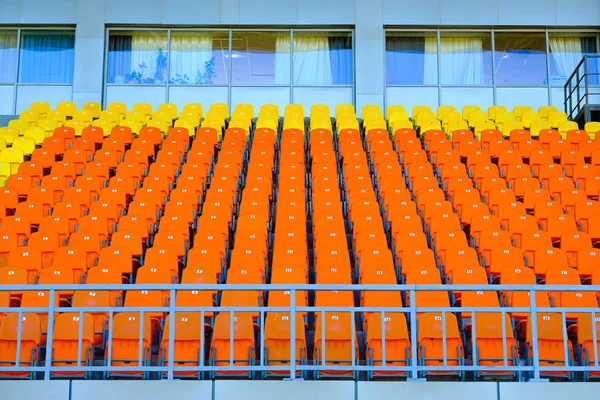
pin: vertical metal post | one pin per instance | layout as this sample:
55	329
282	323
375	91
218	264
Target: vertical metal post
353	337
202	344
141	341
50	327
291	66
17	73
262	322
444	339
504	349
547	39
474	340
232	333
323	337
563	323
230	72
383	344
595	338
495	96
110	337
534	335
414	345
293	334
19	333
439	70
168	72
80	338
172	333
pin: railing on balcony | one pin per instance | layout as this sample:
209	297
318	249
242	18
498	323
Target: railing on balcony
583	86
359	364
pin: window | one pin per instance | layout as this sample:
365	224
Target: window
411	59
466	59
322	59
260	58
47	57
8	56
138	57
199	58
520	59
566	51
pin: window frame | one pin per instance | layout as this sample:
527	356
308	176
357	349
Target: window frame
231	31
15	84
388	31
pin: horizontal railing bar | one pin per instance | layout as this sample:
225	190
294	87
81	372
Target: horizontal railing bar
301	309
302	287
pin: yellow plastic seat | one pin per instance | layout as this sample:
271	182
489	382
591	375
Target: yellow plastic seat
29	116
18	125
120	108
145	109
169	108
566	126
493	110
68	107
49	125
9	134
40	107
14	156
93	108
57	115
37	133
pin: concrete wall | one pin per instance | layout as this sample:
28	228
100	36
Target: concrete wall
297	390
367	16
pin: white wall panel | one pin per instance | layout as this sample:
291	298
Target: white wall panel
412	96
130	95
258	96
10	11
48	11
52	94
205	95
369	71
511	97
530	12
230	12
194	12
330	12
328	96
147	390
268	12
427	390
456	12
558	98
277	390
578	12
134	11
19	390
411	12
89	63
369	19
7	94
459	97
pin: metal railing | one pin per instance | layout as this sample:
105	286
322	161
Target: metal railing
414	367
583	86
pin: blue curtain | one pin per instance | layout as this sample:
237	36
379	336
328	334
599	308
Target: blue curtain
340	54
8	57
119	57
588	45
47	58
405	60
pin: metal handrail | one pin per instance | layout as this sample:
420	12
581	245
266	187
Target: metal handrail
574	85
413	368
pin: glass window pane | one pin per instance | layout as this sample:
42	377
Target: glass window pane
8	56
520	59
566	50
322	58
411	59
138	57
260	58
466	59
47	57
199	58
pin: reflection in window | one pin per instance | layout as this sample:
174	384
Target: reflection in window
8	56
260	58
47	57
411	59
520	59
566	51
466	59
137	57
199	58
321	59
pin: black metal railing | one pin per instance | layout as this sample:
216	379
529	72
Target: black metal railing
583	86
